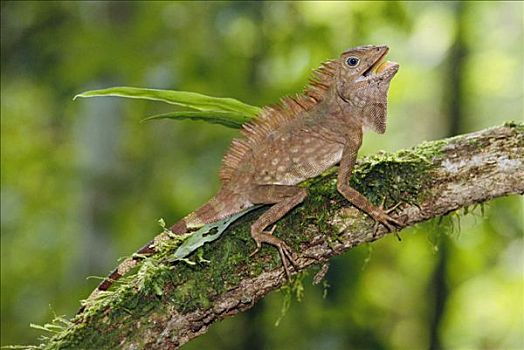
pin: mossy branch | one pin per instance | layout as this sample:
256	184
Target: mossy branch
164	306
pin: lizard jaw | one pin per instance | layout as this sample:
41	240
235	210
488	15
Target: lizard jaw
380	66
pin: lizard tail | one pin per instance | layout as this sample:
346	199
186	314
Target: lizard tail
222	205
129	263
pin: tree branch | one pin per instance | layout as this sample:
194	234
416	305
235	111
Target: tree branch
164	306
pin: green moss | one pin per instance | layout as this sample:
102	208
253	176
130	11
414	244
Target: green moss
403	176
398	177
293	289
513	124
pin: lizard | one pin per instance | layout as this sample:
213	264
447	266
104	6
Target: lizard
292	141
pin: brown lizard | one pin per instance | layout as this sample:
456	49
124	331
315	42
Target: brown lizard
295	140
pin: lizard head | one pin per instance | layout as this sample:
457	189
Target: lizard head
363	82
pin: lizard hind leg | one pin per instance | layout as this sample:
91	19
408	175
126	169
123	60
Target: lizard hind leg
283	198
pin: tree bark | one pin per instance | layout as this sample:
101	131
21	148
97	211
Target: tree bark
165	306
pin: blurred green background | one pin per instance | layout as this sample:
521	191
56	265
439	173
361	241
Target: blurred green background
84	182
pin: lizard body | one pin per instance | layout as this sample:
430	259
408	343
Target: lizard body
292	141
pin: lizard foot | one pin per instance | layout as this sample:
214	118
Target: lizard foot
286	253
381	216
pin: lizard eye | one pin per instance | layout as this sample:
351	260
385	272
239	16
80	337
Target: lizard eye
352	62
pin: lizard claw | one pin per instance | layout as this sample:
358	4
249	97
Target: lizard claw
387	211
259	242
286	253
381	216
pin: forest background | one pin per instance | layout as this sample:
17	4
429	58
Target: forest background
84	182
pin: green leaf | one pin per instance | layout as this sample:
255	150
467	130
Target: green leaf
207	233
181	98
229	119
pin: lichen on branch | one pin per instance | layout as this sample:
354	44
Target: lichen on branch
163	306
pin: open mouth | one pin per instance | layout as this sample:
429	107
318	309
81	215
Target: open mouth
379	66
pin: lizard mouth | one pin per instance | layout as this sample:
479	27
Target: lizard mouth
380	66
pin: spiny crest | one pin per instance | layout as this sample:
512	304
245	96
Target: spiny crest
274	116
321	80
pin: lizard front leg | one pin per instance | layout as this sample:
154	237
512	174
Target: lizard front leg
349	157
284	199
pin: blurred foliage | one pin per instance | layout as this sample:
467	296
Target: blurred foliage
84	182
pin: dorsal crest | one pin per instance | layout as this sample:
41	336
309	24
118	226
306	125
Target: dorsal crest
274	116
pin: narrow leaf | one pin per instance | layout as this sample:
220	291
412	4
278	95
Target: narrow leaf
229	119
181	98
204	235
